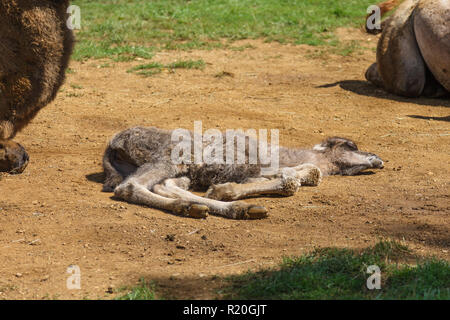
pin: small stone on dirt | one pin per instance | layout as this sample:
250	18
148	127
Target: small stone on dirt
170	237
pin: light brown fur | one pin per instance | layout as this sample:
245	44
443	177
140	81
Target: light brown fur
413	56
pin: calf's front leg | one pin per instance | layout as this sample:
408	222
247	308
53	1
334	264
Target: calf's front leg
285	183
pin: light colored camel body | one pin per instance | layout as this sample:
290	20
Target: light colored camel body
413	53
35	47
139	169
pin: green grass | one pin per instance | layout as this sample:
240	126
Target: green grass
144	291
152	68
76	86
341	274
333	273
186	64
125	29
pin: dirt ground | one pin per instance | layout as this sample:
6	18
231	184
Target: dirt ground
55	215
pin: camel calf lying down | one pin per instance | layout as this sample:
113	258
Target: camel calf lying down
139	169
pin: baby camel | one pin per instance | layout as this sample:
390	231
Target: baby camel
139	169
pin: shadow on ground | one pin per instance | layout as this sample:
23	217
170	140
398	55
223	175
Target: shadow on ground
447	118
98	177
437	236
366	89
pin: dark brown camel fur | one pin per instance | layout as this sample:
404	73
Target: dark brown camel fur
35	46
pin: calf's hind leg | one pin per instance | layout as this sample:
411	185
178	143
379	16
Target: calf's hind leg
176	188
136	189
138	194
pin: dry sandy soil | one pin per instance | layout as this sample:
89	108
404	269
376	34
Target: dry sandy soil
54	214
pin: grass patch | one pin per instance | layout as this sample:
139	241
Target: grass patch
148	69
125	29
332	273
338	48
144	291
153	68
74	95
105	65
187	64
76	86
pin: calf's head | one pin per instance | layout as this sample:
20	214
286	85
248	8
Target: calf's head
346	158
13	157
